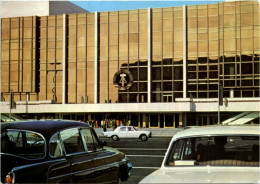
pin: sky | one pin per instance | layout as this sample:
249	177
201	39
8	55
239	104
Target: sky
103	6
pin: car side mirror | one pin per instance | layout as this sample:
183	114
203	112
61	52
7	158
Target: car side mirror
103	143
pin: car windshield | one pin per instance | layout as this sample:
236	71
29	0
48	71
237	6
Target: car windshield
26	144
215	150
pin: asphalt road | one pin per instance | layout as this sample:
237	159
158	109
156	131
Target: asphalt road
145	156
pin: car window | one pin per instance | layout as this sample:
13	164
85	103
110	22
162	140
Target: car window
216	150
55	147
96	142
88	137
123	129
72	141
26	144
178	149
130	129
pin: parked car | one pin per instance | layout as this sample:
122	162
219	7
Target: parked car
58	152
127	132
216	154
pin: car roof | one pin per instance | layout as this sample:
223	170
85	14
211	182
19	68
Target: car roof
123	126
219	130
45	127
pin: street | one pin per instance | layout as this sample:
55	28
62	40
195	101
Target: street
145	156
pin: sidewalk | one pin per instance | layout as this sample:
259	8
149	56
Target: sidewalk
156	132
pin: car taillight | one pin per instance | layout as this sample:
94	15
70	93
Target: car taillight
9	178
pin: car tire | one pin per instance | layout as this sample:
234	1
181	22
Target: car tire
114	137
143	137
123	173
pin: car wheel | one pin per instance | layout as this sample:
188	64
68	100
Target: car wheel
143	137
114	138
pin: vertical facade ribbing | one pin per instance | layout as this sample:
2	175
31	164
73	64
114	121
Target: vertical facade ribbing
184	52
96	60
149	65
64	59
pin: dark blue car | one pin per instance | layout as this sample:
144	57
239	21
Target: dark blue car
58	152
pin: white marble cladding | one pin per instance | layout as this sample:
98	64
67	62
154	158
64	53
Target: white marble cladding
186	105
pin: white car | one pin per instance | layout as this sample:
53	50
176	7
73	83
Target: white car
127	132
211	154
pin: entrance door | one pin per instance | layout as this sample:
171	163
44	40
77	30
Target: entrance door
161	120
134	120
176	120
167	97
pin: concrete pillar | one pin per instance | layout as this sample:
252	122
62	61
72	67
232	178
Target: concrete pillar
144	121
232	93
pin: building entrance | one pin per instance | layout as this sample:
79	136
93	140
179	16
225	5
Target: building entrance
177	120
134	120
161	120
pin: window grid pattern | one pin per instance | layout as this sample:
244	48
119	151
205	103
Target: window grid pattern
51	44
167	54
18	57
222	47
81	56
123	45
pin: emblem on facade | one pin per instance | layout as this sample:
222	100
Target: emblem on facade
123	79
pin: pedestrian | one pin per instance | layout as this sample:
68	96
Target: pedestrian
104	128
113	125
102	123
106	123
129	122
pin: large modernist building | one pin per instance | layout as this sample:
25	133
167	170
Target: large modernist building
159	67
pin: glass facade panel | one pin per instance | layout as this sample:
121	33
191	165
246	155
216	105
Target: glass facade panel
222	46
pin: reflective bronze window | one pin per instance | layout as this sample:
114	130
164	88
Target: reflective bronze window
142	74
156	86
142	86
246	68
156	73
156	97
178	73
167	73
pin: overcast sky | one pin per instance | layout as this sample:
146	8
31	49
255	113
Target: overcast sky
101	6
